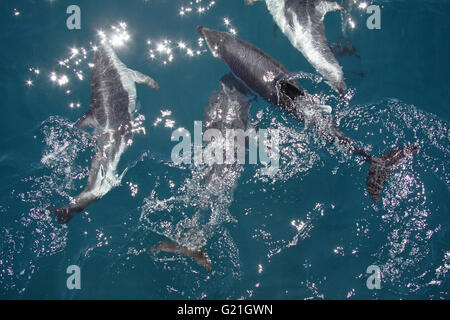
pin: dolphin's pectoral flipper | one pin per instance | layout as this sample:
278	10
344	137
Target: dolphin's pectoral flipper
325	6
382	167
199	256
123	174
144	79
88	120
251	2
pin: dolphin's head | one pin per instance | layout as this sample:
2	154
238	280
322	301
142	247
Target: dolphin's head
214	39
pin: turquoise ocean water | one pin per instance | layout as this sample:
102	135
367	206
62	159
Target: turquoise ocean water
311	231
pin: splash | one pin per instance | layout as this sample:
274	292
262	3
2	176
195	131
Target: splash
197	210
32	232
298	141
407	258
407	254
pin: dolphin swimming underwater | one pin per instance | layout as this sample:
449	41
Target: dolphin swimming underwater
302	22
272	81
199	256
227	109
113	102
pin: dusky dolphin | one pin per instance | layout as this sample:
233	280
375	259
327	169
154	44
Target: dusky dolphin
199	256
227	109
113	102
302	22
270	79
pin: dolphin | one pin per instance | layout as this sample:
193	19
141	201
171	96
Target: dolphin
227	109
302	22
113	102
199	256
272	81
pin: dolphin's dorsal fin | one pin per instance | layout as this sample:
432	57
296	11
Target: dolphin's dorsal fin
87	120
325	6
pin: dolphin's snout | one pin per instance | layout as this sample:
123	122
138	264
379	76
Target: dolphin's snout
213	39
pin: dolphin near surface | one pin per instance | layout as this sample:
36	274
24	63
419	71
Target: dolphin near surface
271	80
227	109
197	255
302	22
113	102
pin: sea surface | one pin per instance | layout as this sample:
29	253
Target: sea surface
309	232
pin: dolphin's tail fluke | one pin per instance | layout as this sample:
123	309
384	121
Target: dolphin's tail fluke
64	215
382	167
199	256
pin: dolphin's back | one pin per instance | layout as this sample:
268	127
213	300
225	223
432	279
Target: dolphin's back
109	99
253	66
259	71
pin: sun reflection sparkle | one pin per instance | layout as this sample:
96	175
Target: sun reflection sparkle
75	64
165	51
197	7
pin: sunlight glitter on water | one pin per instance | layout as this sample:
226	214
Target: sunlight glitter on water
405	212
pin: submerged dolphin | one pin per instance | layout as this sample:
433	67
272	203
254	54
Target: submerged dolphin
113	102
200	257
227	109
302	22
344	48
270	79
